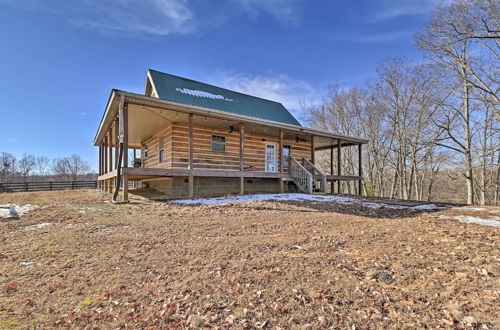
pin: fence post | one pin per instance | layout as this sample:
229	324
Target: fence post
73	185
50	185
26	186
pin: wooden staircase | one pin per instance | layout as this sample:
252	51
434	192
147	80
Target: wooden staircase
307	177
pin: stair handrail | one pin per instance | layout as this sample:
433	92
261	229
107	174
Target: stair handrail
301	176
315	169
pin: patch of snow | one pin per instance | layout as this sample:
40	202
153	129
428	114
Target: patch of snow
427	207
198	93
472	208
14	211
300	197
26	263
39	225
494	222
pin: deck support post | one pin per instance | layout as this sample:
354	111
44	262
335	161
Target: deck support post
191	186
360	168
123	122
242	155
339	165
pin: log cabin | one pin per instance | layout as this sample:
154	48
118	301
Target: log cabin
185	138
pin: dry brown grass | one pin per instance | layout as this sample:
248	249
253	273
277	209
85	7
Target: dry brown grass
249	265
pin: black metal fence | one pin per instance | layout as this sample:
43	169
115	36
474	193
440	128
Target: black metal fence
45	186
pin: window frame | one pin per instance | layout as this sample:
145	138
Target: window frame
222	143
161	156
284	160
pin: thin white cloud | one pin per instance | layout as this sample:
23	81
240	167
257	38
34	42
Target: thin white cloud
11	140
144	17
151	17
389	9
157	17
292	93
285	11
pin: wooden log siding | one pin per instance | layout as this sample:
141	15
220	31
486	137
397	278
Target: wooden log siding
176	149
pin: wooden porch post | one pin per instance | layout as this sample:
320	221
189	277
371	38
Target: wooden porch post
360	168
110	151
135	160
123	112
280	160
331	169
110	157
242	155
100	160
105	158
190	166
117	142
100	166
339	165
313	158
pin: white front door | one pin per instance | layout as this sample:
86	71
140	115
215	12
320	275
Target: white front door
271	157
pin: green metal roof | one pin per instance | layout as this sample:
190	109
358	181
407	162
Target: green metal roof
182	90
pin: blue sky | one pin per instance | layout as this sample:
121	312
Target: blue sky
59	59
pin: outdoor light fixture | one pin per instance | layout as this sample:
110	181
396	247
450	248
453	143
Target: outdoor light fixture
231	128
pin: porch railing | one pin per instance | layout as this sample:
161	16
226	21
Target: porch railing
301	176
316	173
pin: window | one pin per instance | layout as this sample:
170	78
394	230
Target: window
286	154
161	155
218	143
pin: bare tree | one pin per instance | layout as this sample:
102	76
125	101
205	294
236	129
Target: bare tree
8	166
26	165
42	166
71	167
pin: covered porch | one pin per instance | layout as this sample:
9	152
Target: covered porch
131	119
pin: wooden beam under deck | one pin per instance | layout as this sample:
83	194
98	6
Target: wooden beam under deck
139	172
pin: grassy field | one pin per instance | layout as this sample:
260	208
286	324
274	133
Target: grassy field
78	260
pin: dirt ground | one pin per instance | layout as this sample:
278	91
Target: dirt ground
80	261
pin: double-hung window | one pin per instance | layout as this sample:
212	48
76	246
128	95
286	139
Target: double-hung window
218	143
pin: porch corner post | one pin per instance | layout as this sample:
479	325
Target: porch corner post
339	165
280	160
123	113
117	142
190	166
242	155
360	168
100	168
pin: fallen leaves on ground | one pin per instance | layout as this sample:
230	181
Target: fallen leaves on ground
254	265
